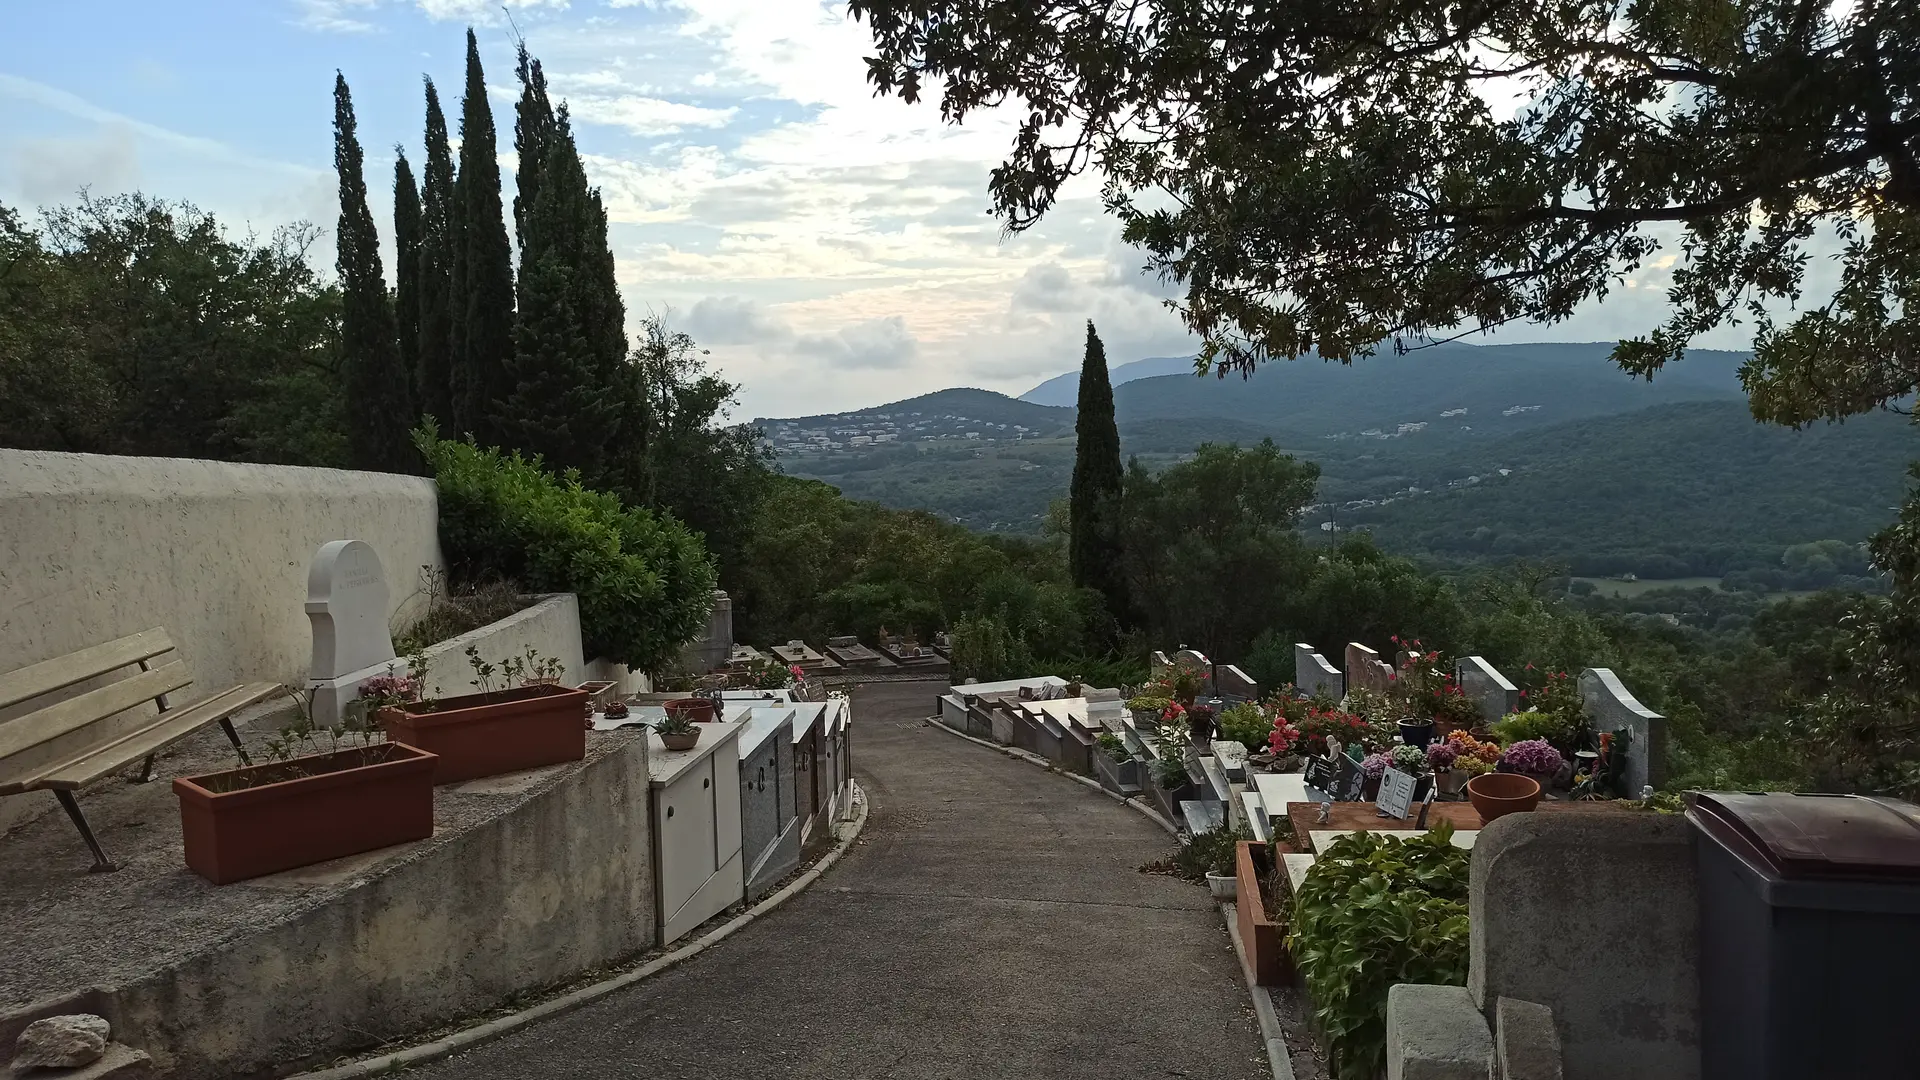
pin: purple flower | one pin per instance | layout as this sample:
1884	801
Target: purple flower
1441	755
1534	757
1374	766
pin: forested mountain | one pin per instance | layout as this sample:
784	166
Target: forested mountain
1064	389
1678	490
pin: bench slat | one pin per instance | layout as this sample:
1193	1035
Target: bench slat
25	732
169	728
63	671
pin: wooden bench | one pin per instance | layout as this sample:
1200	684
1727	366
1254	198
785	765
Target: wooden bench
63	745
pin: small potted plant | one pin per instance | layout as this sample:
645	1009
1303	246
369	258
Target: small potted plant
1200	723
1533	757
501	729
678	731
1440	758
1372	768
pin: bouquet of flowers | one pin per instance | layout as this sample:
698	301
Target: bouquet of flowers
1411	760
1441	755
1374	766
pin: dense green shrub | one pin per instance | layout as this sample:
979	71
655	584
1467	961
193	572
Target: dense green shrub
645	583
1375	911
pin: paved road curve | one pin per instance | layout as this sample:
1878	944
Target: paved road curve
990	923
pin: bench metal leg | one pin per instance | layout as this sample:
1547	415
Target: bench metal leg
146	771
226	725
72	807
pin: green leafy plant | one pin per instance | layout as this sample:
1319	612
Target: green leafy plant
1114	747
532	667
1374	911
1210	852
1170	743
675	724
1248	725
483	670
1149	702
1532	724
645	583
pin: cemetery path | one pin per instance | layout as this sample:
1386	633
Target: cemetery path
990	922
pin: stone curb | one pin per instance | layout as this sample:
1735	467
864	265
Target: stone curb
1279	1059
468	1038
1035	759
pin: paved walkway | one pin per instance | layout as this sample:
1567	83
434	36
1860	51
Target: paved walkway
990	923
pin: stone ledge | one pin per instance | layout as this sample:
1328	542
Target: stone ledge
1435	1033
1526	1046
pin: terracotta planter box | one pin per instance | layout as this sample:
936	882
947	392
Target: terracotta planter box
1265	943
505	731
261	819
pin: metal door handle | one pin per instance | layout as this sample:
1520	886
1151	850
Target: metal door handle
706	782
669	811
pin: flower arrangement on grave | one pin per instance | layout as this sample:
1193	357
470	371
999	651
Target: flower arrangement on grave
1282	737
1533	757
1466	746
1441	756
1530	724
1411	760
390	689
1148	703
1200	722
768	675
1374	766
1470	767
1323	724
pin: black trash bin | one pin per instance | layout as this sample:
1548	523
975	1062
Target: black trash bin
1809	935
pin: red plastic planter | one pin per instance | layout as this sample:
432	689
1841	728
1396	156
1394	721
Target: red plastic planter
487	734
262	819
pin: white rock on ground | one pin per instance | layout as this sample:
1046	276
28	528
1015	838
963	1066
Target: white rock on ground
61	1042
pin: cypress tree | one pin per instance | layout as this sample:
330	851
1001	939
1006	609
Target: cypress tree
1093	546
435	371
406	272
532	128
378	412
482	266
565	366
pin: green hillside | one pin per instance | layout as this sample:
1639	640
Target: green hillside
1692	489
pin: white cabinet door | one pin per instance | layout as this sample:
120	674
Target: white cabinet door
686	834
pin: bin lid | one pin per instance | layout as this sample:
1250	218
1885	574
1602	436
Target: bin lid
1814	836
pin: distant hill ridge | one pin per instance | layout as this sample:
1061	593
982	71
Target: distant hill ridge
1485	388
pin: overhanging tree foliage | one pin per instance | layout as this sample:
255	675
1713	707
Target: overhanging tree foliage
379	413
1322	176
1093	544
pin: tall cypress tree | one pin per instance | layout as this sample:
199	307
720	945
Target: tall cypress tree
532	128
565	367
378	412
434	374
482	268
406	272
1093	547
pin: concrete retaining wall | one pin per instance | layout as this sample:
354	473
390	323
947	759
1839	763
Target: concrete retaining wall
560	884
1596	917
95	547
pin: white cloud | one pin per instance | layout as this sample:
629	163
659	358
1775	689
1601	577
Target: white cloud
734	320
334	16
875	343
54	169
646	115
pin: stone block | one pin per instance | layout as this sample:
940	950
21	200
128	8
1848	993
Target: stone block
1526	1046
1492	691
1615	892
61	1042
1436	1033
1610	707
118	1062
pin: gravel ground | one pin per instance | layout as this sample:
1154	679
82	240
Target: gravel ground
63	929
990	922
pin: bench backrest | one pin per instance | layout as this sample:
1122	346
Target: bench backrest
97	716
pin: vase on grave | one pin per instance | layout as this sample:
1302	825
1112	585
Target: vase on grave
1450	781
1416	732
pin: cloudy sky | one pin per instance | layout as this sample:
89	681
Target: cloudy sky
833	250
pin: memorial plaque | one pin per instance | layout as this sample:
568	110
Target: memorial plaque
1396	794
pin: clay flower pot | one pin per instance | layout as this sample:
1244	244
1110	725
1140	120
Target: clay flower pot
697	709
1498	794
684	741
488	734
262	819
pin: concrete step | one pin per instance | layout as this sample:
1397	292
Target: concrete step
1256	815
1202	815
1217	778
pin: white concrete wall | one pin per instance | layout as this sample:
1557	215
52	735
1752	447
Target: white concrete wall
95	547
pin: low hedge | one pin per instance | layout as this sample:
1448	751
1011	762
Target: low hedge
644	581
1376	910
